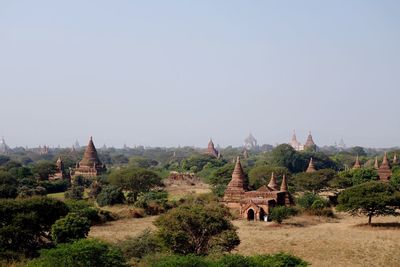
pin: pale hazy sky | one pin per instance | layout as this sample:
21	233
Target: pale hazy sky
177	72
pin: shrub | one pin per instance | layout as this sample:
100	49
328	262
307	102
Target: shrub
25	224
84	209
197	229
153	202
70	228
228	260
75	192
307	200
82	253
26	192
110	195
55	186
140	246
280	213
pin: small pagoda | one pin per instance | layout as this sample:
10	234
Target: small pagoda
90	166
310	143
311	167
357	164
384	170
211	150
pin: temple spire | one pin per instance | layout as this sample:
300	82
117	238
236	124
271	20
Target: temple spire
238	177
395	160
272	183
376	164
384	170
311	167
357	164
211	149
284	186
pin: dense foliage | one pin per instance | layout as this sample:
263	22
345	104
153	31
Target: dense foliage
82	253
71	227
25	225
197	229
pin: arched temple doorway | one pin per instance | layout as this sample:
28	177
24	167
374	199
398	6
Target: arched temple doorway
262	214
250	215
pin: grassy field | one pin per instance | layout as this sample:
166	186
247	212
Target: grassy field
339	242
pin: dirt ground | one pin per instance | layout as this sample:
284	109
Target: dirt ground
344	241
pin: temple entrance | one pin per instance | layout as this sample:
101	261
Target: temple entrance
250	215
262	214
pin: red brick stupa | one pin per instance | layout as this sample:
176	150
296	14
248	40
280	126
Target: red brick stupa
90	165
384	170
211	150
357	164
311	167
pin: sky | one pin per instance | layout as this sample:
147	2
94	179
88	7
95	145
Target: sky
170	73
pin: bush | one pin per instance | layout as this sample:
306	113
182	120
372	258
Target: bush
307	200
70	228
82	253
27	192
110	195
25	224
280	213
228	260
55	186
84	209
75	192
153	202
140	246
197	229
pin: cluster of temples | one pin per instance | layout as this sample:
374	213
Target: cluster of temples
309	144
90	166
384	169
256	204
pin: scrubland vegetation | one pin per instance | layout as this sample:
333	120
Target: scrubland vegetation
135	216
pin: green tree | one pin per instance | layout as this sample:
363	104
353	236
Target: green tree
8	185
280	213
260	175
43	169
75	192
110	195
371	199
82	253
135	180
197	229
137	247
355	177
70	228
314	181
25	224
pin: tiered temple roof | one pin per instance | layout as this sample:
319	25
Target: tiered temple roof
250	142
90	165
376	164
237	185
272	183
311	167
211	149
310	142
384	170
357	164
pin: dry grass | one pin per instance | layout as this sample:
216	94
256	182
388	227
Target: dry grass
179	190
338	242
345	241
121	229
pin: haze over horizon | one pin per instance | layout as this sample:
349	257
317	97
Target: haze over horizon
169	73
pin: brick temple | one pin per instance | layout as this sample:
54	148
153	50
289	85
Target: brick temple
90	166
255	205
